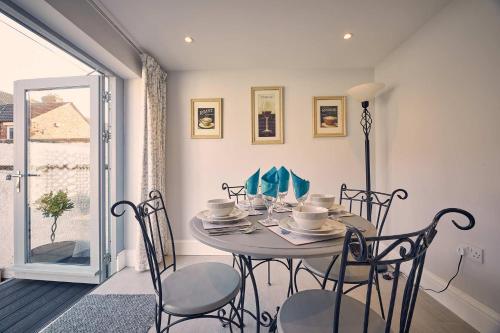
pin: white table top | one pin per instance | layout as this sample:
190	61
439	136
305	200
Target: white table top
266	244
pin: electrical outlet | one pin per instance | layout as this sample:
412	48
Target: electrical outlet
473	253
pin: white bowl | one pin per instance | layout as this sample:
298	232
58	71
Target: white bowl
322	200
220	207
310	217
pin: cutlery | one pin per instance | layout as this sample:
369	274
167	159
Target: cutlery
245	230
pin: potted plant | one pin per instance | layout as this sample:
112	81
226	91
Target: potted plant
54	205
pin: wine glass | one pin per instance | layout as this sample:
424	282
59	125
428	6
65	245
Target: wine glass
251	198
269	202
281	196
302	199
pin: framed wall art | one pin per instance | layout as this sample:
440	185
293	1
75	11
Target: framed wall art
206	118
267	115
329	116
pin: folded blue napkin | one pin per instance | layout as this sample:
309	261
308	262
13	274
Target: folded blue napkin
252	184
284	179
269	183
300	186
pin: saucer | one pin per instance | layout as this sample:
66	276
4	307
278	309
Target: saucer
235	215
211	125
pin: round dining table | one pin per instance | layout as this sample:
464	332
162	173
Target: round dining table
265	244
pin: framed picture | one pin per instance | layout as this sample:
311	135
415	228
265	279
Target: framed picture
267	115
329	116
206	118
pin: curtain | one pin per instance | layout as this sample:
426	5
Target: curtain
154	152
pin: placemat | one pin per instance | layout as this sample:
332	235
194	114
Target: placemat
300	239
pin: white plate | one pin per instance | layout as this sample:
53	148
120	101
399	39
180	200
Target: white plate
338	229
325	228
236	214
336	207
246	205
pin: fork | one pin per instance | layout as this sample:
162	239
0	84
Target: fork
245	230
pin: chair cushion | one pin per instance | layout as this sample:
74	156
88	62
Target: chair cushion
313	311
200	288
353	274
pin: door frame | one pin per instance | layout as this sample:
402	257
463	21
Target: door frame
58	272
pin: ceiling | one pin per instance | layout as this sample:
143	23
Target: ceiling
291	34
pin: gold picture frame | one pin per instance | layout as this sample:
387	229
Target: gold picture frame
206	118
267	115
329	116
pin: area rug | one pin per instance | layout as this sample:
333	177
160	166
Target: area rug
107	313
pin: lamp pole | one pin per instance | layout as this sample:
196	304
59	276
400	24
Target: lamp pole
366	123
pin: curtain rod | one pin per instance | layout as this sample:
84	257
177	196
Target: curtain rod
110	21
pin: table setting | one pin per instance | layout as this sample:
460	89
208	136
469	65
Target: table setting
266	226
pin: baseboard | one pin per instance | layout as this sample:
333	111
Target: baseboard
121	260
187	247
478	315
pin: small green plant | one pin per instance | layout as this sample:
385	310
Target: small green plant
54	205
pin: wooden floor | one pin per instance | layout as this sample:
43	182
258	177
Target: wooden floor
429	316
28	305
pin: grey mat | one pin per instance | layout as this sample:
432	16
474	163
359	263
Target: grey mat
107	313
28	305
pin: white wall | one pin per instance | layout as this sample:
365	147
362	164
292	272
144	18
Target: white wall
438	138
196	168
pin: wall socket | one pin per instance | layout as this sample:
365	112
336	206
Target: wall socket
471	252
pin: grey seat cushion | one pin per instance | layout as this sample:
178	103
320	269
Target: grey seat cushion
313	311
200	288
353	274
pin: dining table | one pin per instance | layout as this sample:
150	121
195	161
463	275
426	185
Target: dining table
264	243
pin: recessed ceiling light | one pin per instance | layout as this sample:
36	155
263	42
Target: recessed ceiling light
348	35
188	39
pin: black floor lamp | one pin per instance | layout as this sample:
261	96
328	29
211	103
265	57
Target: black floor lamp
364	93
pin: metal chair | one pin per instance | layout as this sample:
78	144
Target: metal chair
355	201
192	292
322	310
235	191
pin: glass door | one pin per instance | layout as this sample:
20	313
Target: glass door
58	169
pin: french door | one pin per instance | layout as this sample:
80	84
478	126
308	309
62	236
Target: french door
59	228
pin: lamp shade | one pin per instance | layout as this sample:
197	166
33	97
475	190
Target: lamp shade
366	91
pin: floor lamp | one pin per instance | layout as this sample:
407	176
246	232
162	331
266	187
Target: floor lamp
364	93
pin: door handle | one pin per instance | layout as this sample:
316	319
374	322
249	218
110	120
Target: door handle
18	177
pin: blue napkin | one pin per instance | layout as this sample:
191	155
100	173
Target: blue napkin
252	184
269	183
300	186
284	179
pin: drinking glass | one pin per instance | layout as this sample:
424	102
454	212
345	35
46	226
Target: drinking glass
269	202
281	196
251	198
302	199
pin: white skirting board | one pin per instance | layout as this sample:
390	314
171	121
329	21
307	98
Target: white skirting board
478	315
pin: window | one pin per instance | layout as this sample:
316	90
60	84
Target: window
10	132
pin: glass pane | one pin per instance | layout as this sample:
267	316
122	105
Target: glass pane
58	143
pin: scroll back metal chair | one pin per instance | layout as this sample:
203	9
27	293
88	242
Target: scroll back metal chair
192	292
356	201
321	310
237	192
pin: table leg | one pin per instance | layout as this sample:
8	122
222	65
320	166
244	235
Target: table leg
290	280
261	318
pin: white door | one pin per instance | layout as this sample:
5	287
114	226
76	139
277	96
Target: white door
59	228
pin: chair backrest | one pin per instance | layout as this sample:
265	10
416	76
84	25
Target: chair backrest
408	249
357	201
154	222
234	191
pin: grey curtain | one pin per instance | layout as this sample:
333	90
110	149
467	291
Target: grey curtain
154	156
